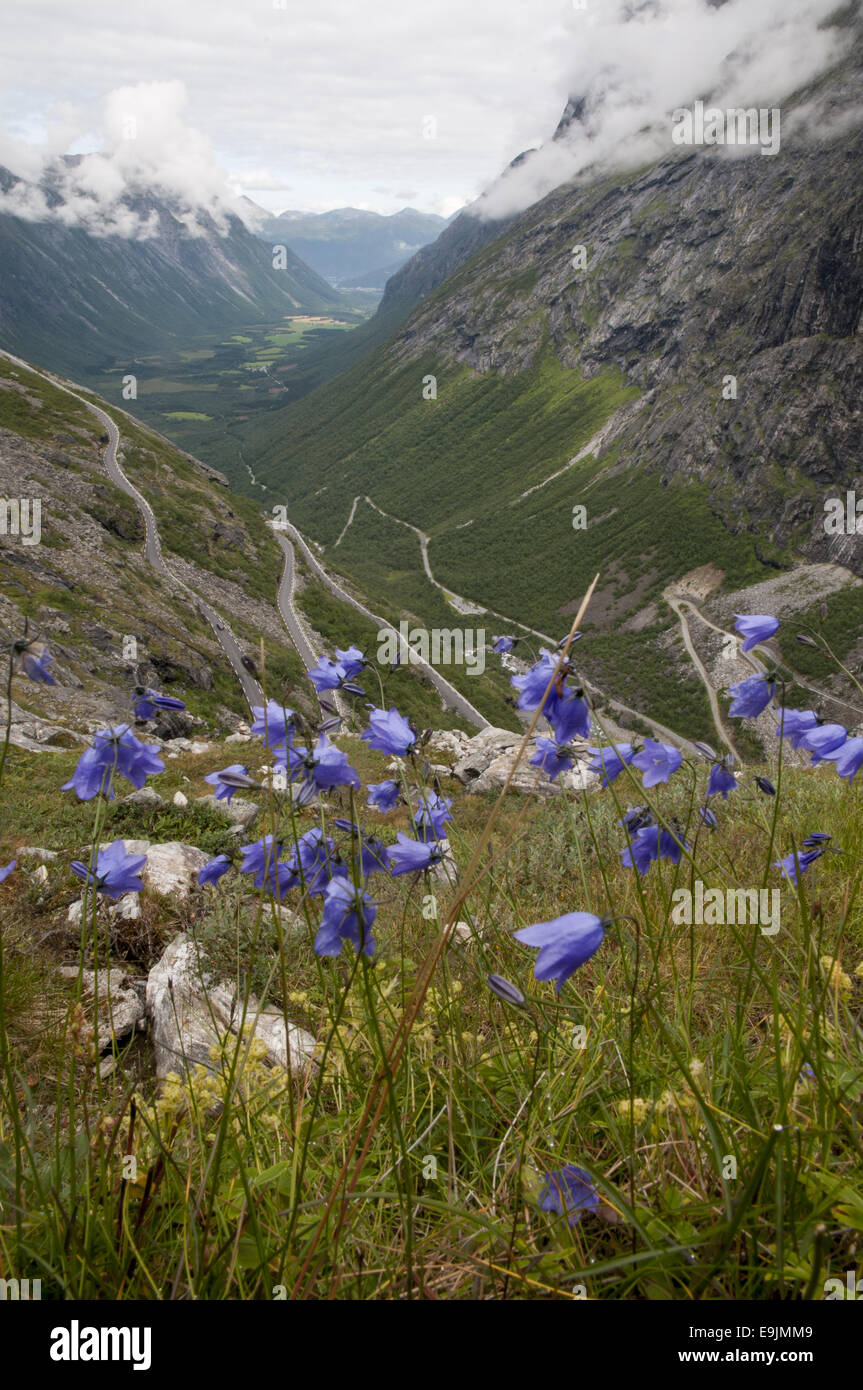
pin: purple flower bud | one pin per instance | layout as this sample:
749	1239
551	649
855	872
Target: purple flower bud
506	991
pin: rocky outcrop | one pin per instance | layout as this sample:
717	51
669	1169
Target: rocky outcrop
171	869
120	1006
189	1013
486	761
239	812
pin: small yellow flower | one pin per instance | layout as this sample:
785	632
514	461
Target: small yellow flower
836	976
640	1109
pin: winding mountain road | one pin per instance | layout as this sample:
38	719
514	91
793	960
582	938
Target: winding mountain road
447	692
152	543
675	604
751	659
291	618
468	606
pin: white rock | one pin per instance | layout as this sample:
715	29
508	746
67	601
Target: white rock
239	812
120	1007
127	908
36	852
198	746
446	871
189	1012
172	868
130	846
491	756
73	916
40	875
462	933
179	799
239	738
144	796
450	741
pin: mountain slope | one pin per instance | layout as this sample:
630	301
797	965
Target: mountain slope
75	301
604	387
198	587
350	246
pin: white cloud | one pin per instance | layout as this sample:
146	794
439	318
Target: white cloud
324	106
329	99
635	62
145	145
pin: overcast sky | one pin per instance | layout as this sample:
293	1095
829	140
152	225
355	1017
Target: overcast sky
320	104
315	104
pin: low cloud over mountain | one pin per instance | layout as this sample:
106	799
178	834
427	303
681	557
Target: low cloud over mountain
634	63
145	145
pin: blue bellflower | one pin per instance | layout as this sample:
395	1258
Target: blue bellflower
272	723
569	1192
326	767
797	863
262	860
383	795
32	659
751	697
564	944
794	723
756	628
352	661
570	717
409	856
7	869
225	790
657	761
430	818
348	916
212	872
312	863
848	758
553	758
327	675
721	781
116	871
114	750
610	761
373	854
389	732
146	703
532	685
823	740
649	844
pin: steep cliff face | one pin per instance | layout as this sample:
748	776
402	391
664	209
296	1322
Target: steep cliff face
702	268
